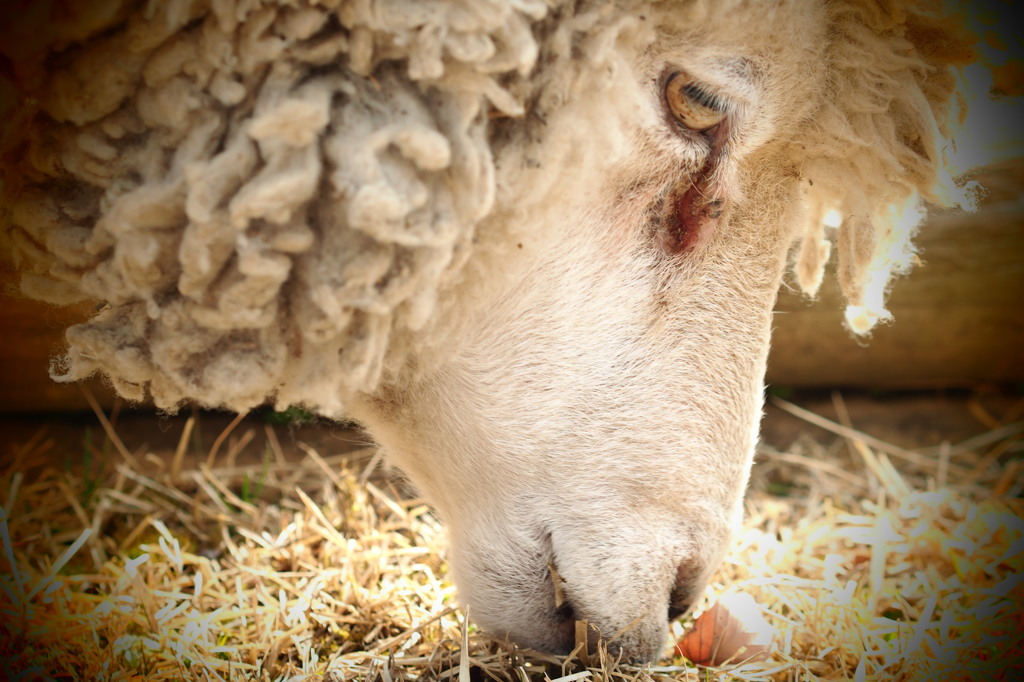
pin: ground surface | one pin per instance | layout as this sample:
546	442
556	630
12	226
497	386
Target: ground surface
883	540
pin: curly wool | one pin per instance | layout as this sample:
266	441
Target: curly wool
258	219
271	197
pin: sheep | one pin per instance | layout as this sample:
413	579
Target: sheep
531	245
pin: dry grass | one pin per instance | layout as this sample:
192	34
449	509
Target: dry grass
879	564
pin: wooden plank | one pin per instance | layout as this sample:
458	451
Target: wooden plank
33	334
959	318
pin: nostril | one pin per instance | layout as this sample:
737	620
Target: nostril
677	610
680	599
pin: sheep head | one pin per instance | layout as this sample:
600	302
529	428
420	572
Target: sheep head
533	247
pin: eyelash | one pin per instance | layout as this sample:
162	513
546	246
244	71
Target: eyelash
691	105
704	97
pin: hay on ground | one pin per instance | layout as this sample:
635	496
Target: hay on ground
878	563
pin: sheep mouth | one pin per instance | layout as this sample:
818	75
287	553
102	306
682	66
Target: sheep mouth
574	633
564	613
563	609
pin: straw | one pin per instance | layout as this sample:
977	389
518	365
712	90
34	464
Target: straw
293	569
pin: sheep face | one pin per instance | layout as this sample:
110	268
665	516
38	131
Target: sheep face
587	431
533	247
588	440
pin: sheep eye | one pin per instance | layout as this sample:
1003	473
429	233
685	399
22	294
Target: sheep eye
691	105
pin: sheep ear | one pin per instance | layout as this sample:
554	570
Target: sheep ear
815	248
863	271
877	149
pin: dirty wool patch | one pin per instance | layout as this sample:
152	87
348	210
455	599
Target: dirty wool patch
869	561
